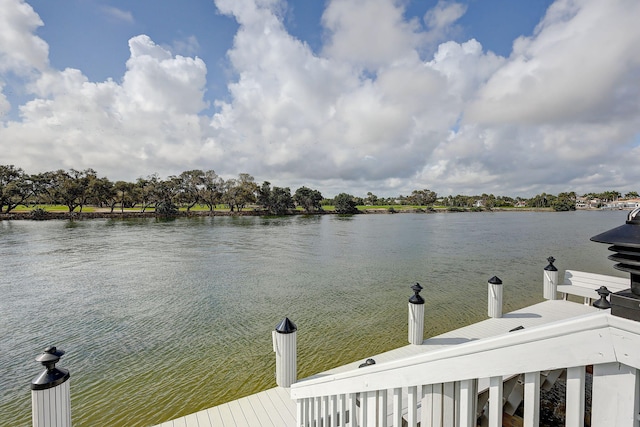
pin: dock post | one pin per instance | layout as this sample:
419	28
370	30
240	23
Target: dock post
550	280
285	347
50	395
416	316
494	305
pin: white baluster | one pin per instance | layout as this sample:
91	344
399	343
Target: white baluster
382	408
448	404
397	407
468	401
353	409
495	402
575	397
412	400
531	399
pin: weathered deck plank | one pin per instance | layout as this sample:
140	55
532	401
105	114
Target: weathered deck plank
274	408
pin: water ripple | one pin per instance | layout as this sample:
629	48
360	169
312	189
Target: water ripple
161	319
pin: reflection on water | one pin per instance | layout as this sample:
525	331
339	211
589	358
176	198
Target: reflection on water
160	319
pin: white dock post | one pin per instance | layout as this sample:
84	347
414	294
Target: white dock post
416	316
284	345
494	306
550	280
50	395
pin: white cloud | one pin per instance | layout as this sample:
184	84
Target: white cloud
582	61
148	123
369	33
119	14
21	51
442	18
5	106
186	46
157	81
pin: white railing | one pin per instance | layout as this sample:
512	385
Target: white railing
440	388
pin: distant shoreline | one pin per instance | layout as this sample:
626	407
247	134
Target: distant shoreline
107	214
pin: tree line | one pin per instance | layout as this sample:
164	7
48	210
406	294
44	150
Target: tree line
76	189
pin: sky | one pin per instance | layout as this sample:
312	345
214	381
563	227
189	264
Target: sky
504	97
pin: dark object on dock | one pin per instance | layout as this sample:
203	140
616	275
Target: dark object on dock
416	298
517	328
626	245
603	303
551	267
369	362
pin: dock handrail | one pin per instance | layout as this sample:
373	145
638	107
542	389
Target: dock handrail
597	339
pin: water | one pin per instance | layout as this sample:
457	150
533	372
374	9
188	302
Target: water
162	319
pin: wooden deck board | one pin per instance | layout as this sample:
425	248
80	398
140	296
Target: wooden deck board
228	420
203	418
260	411
191	420
239	417
214	416
274	408
284	409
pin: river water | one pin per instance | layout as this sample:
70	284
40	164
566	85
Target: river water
162	319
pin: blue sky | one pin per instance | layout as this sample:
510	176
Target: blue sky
340	95
92	35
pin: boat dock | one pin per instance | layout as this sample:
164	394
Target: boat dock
275	407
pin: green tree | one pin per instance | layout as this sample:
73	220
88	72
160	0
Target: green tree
609	196
276	200
281	200
371	199
188	187
564	202
166	209
15	187
152	191
71	188
43	184
149	191
101	191
211	190
424	197
310	200
488	200
543	200
264	196
344	204
240	192
126	195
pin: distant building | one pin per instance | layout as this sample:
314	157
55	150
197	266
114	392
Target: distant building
586	203
623	204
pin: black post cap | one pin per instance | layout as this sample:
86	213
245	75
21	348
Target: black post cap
416	298
551	267
495	280
286	326
602	303
51	376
